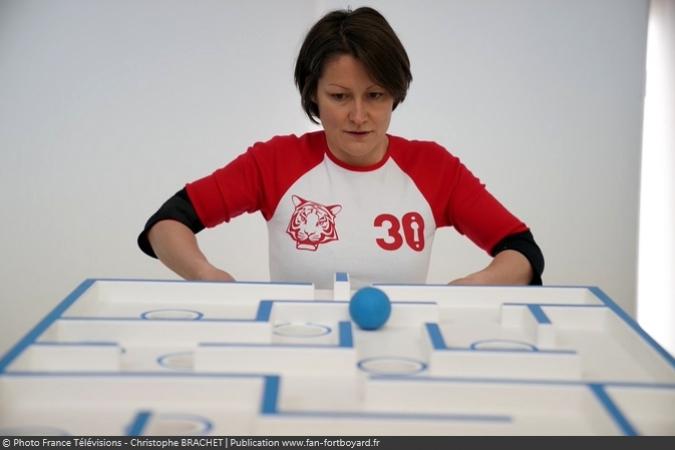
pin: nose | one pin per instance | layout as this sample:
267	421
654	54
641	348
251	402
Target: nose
358	114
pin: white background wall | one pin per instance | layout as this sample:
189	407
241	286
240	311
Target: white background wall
656	260
107	108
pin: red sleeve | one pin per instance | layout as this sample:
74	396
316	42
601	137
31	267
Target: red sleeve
227	192
255	180
473	211
457	198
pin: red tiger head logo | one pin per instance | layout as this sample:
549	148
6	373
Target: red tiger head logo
312	224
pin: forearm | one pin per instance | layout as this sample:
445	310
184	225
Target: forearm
176	246
508	267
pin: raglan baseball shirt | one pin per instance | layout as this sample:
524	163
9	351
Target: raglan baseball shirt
376	223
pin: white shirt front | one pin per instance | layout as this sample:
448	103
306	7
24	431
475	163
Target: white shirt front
383	225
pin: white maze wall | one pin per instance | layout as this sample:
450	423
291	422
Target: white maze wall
171	357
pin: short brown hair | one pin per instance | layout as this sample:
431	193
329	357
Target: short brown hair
364	34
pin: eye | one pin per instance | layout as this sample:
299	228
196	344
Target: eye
339	96
376	95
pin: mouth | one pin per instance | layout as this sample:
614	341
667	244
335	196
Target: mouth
358	133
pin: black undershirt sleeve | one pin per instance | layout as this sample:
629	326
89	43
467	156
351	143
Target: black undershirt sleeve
178	208
524	243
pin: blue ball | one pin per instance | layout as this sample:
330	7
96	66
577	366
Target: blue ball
369	308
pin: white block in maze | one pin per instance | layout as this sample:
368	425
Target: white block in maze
287	410
105	404
138	331
57	357
609	349
398	350
648	409
146	341
518	343
171	357
544	407
181	299
489	296
518	362
287	359
130	344
341	287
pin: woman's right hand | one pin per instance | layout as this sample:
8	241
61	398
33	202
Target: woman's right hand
176	246
212	273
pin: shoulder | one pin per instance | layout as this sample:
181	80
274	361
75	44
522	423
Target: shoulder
307	143
420	154
289	154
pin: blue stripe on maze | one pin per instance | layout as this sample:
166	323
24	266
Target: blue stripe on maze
45	323
670	359
310	301
264	311
270	395
518	381
263	345
122	375
137	319
77	344
613	410
341	276
138	425
539	314
508	350
157	280
345	333
566	305
344	302
436	336
385	415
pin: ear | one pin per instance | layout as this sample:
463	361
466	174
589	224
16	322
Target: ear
334	209
298	200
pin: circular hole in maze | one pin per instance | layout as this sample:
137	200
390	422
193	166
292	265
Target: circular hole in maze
503	344
301	330
176	425
177	361
392	365
172	314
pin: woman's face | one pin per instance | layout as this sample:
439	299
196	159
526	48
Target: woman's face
354	110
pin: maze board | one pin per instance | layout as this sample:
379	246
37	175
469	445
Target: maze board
132	357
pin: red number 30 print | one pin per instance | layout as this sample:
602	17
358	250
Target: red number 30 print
412	225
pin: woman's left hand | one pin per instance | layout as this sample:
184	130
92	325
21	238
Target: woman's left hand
507	268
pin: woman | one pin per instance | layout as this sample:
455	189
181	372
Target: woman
350	198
